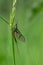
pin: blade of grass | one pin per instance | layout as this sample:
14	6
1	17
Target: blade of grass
4	20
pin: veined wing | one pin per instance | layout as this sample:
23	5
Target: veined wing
20	35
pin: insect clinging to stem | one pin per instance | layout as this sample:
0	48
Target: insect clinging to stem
17	33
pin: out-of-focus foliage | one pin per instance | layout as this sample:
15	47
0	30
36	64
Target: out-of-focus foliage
29	17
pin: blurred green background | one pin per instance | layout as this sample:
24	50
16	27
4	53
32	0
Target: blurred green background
29	17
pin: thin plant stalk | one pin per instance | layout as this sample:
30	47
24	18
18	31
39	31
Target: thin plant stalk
11	26
13	48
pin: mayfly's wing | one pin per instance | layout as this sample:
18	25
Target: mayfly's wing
19	35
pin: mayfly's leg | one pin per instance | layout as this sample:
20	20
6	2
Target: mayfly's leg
15	40
17	49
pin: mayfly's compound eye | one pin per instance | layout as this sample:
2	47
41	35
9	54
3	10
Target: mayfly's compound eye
18	34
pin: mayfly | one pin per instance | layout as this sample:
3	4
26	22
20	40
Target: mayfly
17	33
